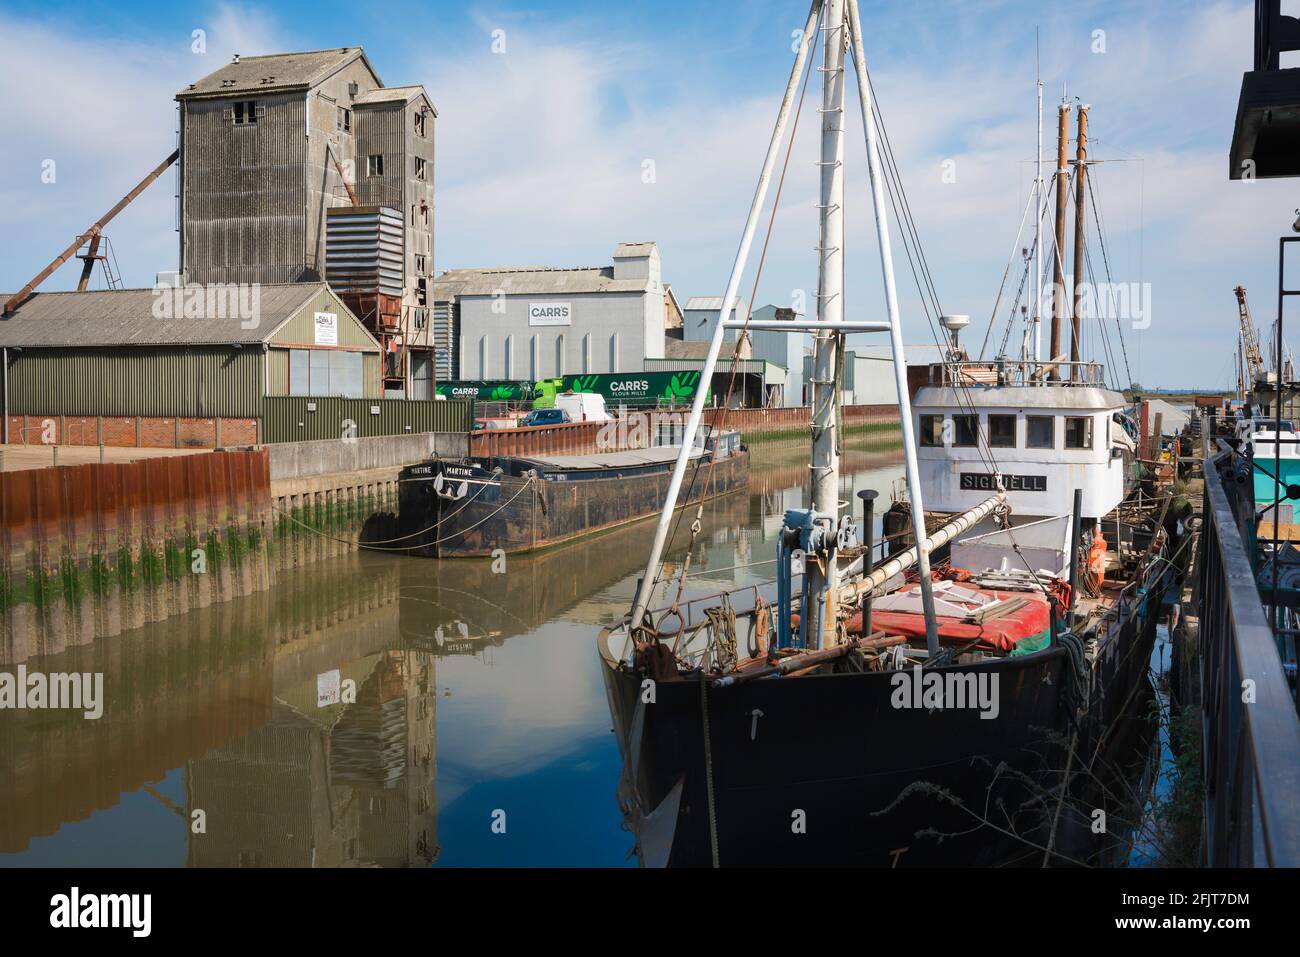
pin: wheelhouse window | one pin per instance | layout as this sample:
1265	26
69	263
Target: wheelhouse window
1040	431
965	430
931	431
1002	431
1078	432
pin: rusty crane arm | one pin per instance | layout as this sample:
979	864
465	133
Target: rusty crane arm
91	234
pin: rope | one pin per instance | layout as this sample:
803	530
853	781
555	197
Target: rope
356	543
708	770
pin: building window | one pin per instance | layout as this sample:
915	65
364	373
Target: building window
419	168
419	123
534	365
322	372
613	352
1078	432
559	354
412	214
424	213
932	431
421	319
345	119
586	354
1040	431
1002	431
483	359
508	359
246	113
375	164
965	430
420	264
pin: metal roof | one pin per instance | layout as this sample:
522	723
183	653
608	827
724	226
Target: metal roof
276	71
395	94
633	250
532	281
713	304
127	317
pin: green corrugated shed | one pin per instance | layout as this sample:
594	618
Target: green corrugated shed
117	353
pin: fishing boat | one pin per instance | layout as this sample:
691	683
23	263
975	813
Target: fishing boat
484	505
906	710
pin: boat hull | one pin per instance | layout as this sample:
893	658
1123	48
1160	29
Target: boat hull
873	783
513	513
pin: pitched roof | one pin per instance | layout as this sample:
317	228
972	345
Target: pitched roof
126	317
533	280
713	304
276	71
394	94
633	250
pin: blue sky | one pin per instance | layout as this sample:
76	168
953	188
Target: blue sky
541	149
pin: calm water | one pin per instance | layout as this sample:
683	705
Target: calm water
478	706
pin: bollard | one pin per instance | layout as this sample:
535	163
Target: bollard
868	496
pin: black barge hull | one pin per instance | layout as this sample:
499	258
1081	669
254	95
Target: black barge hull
514	512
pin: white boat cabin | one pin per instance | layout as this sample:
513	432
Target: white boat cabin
1045	439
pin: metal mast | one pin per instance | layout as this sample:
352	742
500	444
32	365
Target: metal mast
642	601
1058	271
1080	243
878	204
825	464
1038	222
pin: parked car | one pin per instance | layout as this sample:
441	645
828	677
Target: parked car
547	417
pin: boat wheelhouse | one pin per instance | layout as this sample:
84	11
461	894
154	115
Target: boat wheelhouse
1049	438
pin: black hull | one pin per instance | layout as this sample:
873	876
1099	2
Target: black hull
515	514
878	785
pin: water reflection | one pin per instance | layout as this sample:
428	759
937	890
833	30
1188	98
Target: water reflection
475	701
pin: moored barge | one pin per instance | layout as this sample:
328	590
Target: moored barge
476	506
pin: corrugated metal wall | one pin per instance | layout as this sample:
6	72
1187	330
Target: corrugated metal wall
381	130
244	193
288	419
197	381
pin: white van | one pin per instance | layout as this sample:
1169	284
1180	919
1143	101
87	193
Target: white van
583	406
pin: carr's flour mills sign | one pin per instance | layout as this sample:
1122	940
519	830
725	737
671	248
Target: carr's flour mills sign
550	313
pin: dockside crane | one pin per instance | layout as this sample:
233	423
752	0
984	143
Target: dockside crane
91	238
1254	359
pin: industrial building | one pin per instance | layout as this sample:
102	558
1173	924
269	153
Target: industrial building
537	322
176	367
301	167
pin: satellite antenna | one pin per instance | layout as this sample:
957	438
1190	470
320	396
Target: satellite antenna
955	324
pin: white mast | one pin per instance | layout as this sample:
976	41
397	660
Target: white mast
913	471
642	601
829	311
825	465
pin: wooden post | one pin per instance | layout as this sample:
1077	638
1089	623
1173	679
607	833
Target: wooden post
1058	260
1080	241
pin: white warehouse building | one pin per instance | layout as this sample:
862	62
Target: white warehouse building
537	322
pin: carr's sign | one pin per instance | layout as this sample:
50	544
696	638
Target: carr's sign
983	482
550	313
327	329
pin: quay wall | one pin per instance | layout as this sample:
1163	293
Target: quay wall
94	550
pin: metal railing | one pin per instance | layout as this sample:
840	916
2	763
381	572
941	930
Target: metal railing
1009	372
1251	735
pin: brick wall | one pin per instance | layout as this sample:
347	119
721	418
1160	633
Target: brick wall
130	431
